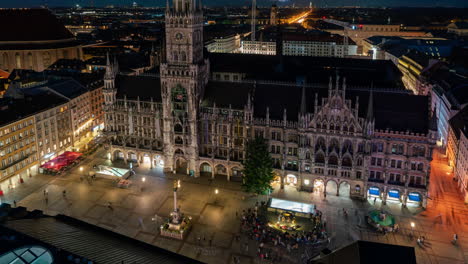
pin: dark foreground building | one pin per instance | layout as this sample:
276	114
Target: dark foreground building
61	239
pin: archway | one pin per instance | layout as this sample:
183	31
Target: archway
119	155
206	169
146	158
236	174
158	161
291	179
220	170
181	166
131	156
319	185
345	189
331	187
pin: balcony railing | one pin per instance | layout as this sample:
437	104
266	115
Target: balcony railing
375	180
396	183
419	186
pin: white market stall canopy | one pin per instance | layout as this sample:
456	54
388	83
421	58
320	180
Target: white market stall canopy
291	206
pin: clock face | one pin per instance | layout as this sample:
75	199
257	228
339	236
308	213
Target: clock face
179	36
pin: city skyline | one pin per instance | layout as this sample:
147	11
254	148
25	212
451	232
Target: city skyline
319	3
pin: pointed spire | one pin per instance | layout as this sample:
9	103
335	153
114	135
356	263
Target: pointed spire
434	121
303	100
268	115
316	103
344	88
167	5
109	69
370	105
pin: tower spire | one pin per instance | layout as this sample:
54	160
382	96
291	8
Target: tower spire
370	105
303	100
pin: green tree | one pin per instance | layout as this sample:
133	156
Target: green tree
258	167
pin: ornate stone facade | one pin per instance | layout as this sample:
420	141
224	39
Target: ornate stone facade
325	140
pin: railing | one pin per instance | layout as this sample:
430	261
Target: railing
396	183
375	180
419	186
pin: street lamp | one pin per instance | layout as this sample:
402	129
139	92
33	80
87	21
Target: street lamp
412	228
143	179
81	169
216	196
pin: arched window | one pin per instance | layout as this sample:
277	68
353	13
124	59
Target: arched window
346	161
333	160
320	144
179	140
30	61
319	158
18	61
46	59
175	56
183	57
347	147
334	146
351	129
4	62
307	155
178	128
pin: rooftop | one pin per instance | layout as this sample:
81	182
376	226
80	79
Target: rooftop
91	242
31	25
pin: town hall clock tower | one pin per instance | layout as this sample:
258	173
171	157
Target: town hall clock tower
184	75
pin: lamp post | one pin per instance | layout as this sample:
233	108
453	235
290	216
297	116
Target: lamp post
143	180
216	195
412	228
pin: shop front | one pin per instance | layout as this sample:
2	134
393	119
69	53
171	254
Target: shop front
393	195
374	192
414	198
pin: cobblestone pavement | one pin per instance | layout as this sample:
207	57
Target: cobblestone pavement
214	215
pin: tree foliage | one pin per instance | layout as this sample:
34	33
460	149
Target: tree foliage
258	167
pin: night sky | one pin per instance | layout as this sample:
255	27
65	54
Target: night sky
322	3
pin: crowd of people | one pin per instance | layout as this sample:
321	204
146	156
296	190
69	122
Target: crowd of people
271	241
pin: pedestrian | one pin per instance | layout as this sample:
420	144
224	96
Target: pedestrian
47	200
64	193
246	246
199	240
375	199
14	203
44	192
455	236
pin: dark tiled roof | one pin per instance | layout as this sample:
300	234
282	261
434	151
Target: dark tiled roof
359	72
12	110
31	25
95	243
225	94
68	88
410	113
143	86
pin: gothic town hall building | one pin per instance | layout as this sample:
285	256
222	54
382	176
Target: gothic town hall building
333	125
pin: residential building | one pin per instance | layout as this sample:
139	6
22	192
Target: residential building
457	150
458	28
